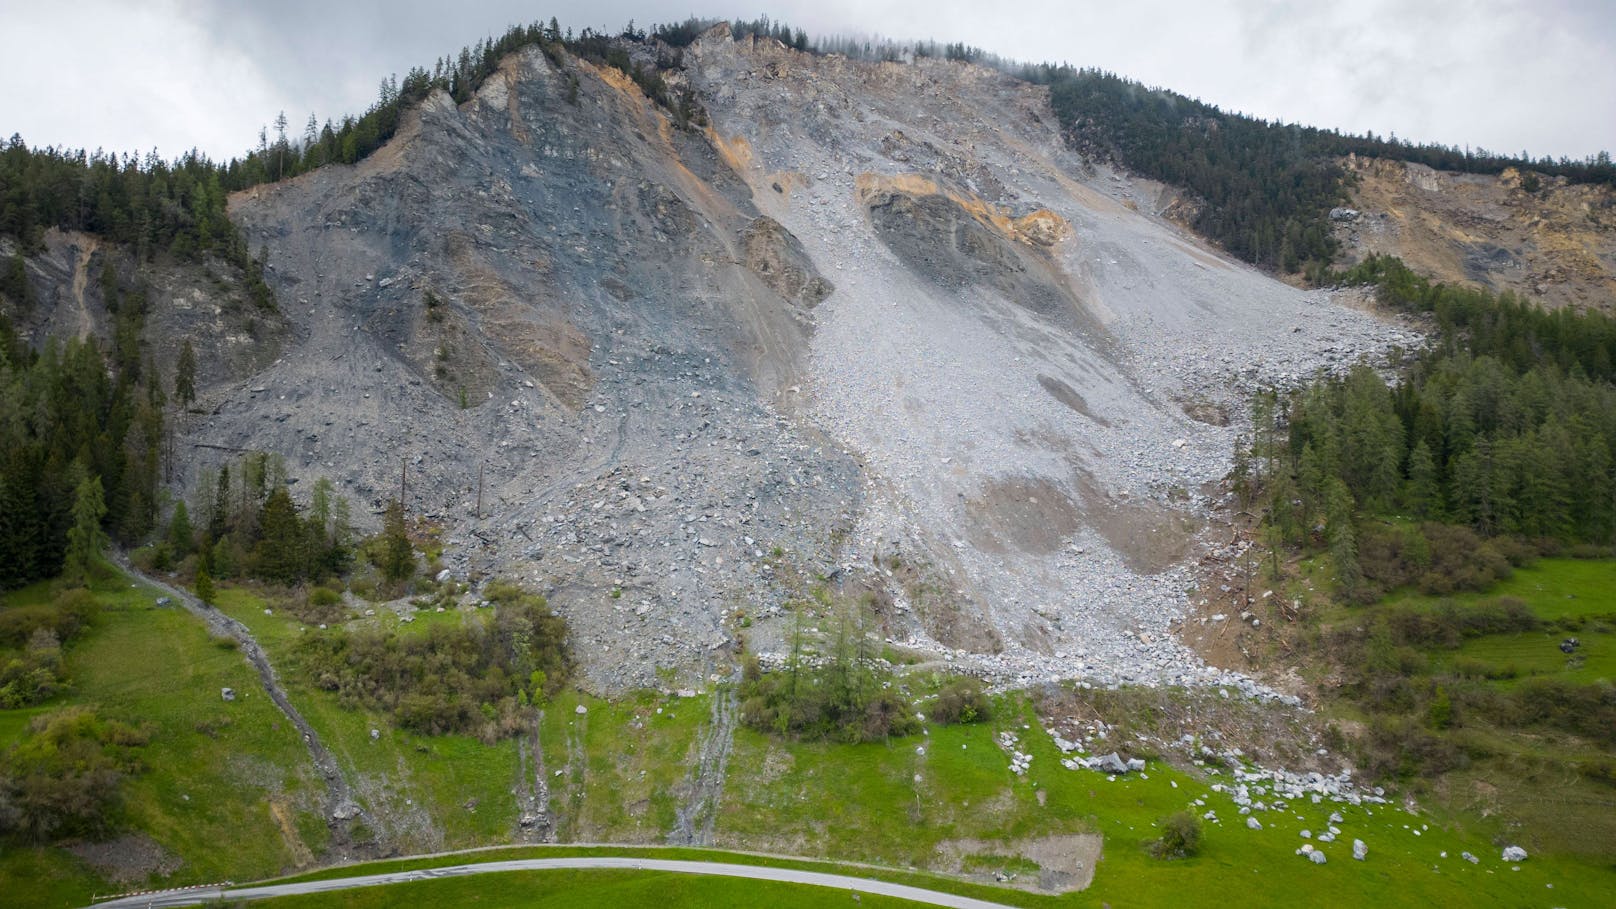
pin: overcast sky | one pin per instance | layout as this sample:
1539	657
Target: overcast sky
1507	75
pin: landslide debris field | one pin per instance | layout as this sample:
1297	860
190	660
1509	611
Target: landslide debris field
875	328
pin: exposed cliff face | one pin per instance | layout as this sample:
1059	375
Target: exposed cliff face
875	311
232	337
1556	245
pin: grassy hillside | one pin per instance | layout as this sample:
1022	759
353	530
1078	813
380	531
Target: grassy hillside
943	800
228	791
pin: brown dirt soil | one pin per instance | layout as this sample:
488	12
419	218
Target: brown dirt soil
1030	514
1149	536
281	812
1065	862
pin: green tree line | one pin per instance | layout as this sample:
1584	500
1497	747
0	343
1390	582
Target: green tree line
1267	187
70	423
248	526
1505	427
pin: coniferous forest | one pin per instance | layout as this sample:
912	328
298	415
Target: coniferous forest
1503	430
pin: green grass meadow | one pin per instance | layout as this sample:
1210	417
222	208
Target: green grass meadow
617	774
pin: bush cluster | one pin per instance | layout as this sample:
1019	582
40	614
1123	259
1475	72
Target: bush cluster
961	700
64	779
31	642
473	678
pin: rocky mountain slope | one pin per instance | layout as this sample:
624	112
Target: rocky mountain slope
232	338
875	329
1538	237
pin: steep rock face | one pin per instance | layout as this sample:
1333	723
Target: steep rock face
582	303
876	328
1555	245
203	302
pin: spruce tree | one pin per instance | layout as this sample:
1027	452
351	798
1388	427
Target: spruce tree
181	538
1422	493
282	552
398	558
204	584
85	538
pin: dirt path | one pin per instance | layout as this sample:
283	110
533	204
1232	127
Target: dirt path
705	787
341	808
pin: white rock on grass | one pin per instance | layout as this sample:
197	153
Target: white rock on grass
1253	823
1360	850
1514	854
1316	857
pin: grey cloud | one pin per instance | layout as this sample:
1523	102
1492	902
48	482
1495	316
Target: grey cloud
1505	74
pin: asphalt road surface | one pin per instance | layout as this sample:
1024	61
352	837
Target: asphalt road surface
754	872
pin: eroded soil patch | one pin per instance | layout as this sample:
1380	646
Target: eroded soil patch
1049	864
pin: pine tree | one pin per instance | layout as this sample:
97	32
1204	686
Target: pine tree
398	558
1422	493
85	538
181	538
204	584
282	553
1339	534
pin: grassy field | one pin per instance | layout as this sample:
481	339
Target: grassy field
1512	657
1519	784
617	772
1554	588
814	798
621	765
432	792
1573	590
230	791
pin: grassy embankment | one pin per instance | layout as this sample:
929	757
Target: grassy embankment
1533	782
229	790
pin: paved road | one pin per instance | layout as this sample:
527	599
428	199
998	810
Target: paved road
755	872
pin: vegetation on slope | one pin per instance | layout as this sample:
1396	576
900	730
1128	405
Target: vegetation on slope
475	677
138	734
1507	426
79	448
1267	188
1416	499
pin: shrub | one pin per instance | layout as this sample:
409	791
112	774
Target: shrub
67	616
322	606
825	702
1180	836
441	681
960	701
65	778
